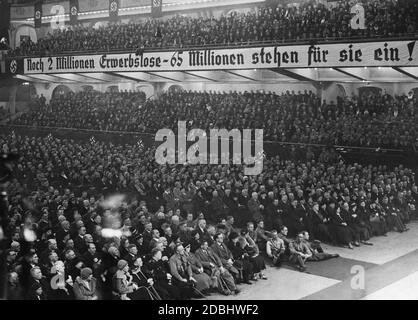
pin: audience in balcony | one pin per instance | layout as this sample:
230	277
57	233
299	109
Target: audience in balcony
369	120
270	23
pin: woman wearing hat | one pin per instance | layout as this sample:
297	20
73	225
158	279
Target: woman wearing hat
241	258
123	286
85	286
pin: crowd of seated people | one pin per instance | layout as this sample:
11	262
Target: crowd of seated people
273	22
369	120
104	221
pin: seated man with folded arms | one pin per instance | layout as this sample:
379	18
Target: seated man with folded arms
275	248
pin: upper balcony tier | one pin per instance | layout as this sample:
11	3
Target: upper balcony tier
268	24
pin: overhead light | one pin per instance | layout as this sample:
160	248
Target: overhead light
316	69
365	68
25	83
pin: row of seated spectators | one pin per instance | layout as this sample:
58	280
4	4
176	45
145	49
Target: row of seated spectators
184	231
278	23
369	120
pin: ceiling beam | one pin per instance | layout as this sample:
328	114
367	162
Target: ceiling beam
30	78
101	76
400	70
349	74
93	78
75	77
236	73
290	74
51	78
199	76
164	77
123	76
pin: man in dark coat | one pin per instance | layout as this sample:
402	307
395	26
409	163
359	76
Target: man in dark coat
274	215
222	251
212	265
131	256
320	225
293	220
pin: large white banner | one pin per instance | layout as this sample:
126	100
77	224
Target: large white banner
394	53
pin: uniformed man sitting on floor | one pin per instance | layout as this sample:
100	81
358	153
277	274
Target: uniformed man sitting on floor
318	253
275	248
299	252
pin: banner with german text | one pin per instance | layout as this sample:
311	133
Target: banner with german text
371	54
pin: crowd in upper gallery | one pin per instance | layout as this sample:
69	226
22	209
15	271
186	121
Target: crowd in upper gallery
276	23
375	120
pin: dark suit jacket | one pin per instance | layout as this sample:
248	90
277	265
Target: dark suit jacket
88	259
337	220
130	259
222	251
80	245
202	233
208	256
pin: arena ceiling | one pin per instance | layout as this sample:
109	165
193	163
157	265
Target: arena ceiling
315	75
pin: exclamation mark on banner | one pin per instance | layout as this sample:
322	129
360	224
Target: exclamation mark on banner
411	46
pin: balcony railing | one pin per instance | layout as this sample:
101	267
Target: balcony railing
246	44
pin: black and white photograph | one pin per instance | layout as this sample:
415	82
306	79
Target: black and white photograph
204	156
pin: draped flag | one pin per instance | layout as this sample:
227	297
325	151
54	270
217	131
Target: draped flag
38	14
113	10
156	8
74	11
